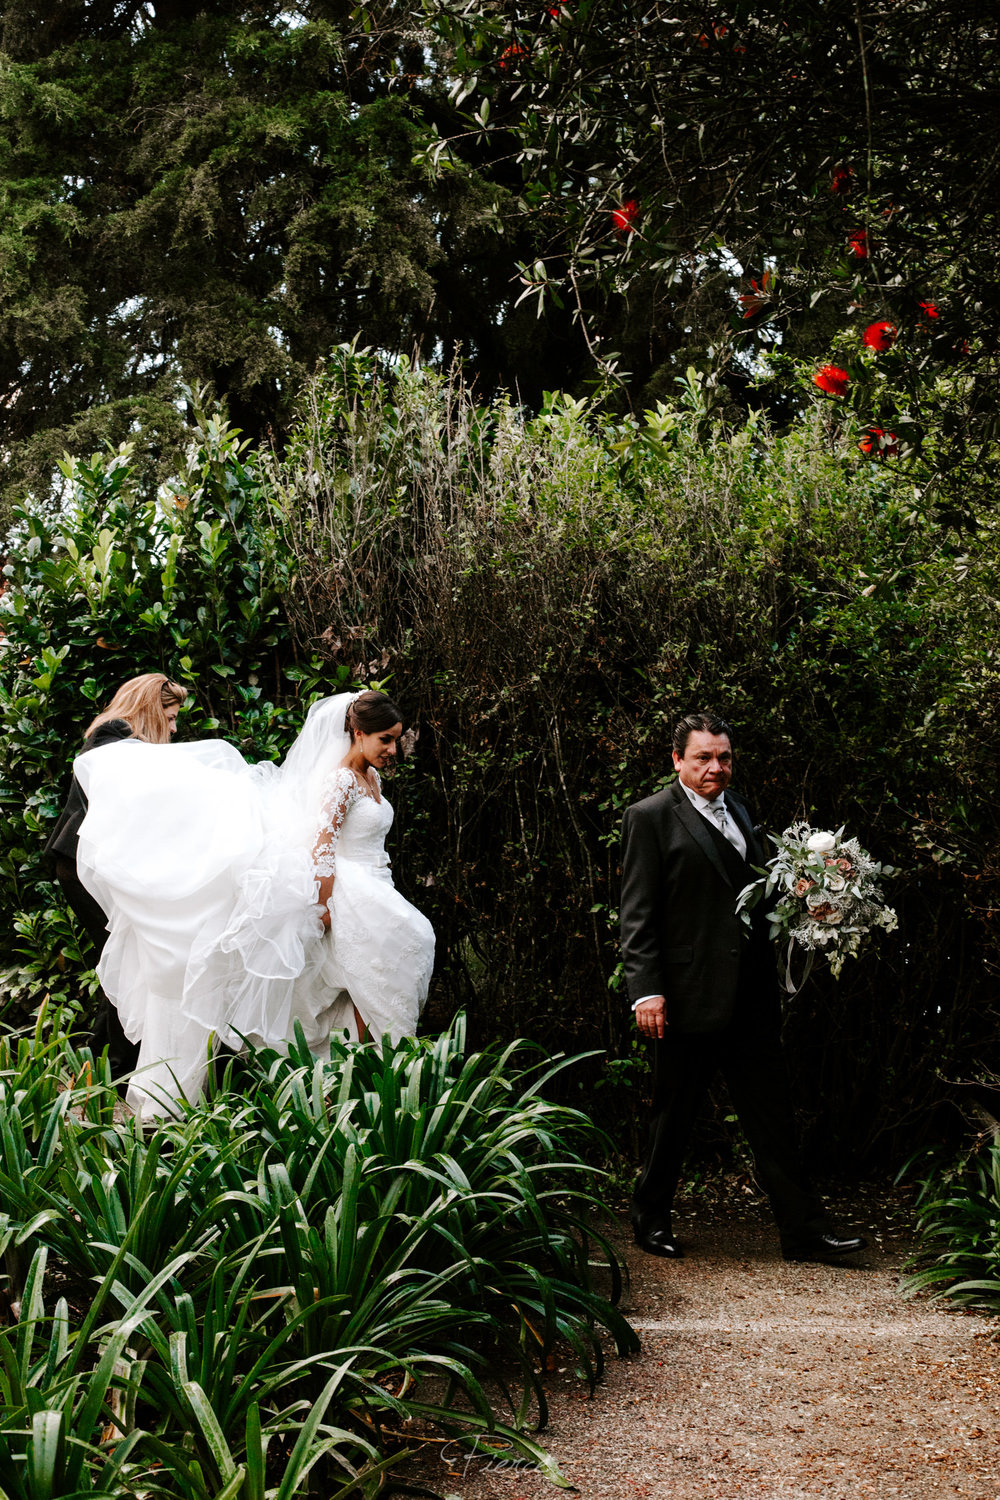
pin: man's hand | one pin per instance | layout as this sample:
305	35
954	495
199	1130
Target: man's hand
651	1017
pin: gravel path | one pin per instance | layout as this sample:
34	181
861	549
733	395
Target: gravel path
763	1380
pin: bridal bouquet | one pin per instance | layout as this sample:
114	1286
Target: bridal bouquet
829	896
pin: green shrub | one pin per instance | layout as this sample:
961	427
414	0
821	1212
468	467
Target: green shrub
958	1221
551	593
334	1250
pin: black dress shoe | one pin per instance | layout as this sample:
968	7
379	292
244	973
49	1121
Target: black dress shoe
823	1246
657	1239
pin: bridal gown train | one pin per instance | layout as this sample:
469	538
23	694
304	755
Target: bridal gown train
209	877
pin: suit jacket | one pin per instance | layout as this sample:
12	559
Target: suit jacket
65	836
681	937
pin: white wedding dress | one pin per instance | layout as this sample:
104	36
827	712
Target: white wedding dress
207	868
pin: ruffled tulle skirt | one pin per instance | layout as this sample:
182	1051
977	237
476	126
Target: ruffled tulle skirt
206	875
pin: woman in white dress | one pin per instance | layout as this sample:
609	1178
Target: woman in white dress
377	940
245	899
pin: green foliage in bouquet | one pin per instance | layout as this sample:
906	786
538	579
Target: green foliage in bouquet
821	891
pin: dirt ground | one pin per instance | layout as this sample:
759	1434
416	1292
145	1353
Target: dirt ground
764	1380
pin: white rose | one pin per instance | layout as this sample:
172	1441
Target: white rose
835	882
821	843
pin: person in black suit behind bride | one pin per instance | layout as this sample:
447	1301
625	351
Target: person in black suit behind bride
143	708
704	988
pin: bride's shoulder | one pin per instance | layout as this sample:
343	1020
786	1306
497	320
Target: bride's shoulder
340	779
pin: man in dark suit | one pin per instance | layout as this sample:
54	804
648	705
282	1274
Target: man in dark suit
704	987
61	849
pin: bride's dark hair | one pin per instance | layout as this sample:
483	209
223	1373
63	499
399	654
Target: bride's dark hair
371	712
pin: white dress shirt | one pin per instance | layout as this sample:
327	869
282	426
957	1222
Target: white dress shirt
708	810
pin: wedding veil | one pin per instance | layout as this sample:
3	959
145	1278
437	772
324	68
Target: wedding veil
247	980
321	745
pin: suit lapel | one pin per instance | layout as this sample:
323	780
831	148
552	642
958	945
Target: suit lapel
700	832
739	815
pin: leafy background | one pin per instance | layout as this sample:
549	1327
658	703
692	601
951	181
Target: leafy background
547	595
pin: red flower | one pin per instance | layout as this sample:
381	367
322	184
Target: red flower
879	444
857	245
718	31
840	180
880	336
758	297
832	379
510	55
930	311
624	218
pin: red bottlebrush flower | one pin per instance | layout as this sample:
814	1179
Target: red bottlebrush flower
510	55
759	295
930	311
832	379
840	180
880	336
718	31
857	245
877	443
624	218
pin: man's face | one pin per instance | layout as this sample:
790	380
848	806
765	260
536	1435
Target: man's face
707	763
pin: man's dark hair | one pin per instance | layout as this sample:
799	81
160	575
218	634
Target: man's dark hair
698	724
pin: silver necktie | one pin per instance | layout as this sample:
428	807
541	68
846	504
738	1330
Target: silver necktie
718	811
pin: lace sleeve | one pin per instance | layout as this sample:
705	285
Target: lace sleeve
340	792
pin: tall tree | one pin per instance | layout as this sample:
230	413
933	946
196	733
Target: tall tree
219	192
713	181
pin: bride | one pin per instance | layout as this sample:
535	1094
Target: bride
210	869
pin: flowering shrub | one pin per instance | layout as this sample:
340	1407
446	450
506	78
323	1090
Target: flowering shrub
510	55
832	379
830	897
857	245
880	336
759	295
624	218
877	443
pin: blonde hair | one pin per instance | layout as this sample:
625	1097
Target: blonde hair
143	702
